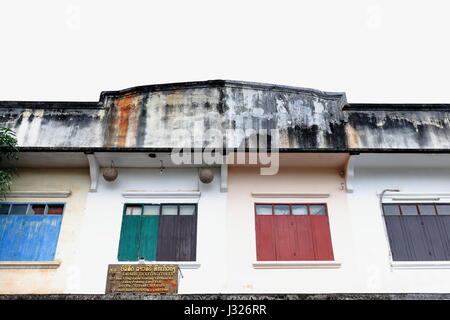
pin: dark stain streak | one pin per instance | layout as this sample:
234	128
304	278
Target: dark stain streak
337	136
305	137
142	122
221	104
403	128
168	109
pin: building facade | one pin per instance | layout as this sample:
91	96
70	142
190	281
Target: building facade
309	193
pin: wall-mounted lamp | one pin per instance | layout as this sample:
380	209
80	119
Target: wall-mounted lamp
205	175
111	173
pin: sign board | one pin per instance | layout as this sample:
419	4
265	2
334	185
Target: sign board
142	278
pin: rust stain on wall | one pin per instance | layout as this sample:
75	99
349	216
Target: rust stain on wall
124	107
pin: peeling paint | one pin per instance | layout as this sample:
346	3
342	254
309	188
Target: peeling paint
148	117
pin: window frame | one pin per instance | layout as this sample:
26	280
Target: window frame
29	204
408	264
290	204
47	263
307	204
130	204
416	204
161	204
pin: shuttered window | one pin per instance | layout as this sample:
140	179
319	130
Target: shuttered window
292	232
158	232
418	232
29	231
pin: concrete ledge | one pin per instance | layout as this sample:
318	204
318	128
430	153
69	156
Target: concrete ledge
289	195
398	265
29	264
175	194
296	265
138	296
181	264
38	194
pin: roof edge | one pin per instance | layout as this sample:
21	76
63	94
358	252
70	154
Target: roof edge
396	107
219	83
52	104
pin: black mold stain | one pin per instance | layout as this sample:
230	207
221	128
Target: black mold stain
402	126
336	138
221	104
83	120
109	125
142	122
305	137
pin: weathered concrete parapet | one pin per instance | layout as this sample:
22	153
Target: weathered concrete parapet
398	126
186	114
54	124
149	116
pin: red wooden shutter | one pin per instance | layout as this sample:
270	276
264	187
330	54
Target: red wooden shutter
285	242
300	237
322	237
304	238
265	240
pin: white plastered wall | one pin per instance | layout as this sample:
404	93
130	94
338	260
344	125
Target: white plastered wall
414	175
99	241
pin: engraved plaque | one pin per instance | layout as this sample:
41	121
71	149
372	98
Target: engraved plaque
142	278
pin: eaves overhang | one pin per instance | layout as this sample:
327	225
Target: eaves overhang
89	150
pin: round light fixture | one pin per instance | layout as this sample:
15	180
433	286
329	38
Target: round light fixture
205	175
111	173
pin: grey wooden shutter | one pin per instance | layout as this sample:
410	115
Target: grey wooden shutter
177	238
419	237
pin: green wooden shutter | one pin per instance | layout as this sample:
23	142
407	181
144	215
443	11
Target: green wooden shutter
138	237
149	237
129	238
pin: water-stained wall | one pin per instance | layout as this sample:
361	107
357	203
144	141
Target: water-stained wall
399	129
209	112
54	125
217	113
236	111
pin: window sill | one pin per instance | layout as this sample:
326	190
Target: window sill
296	265
181	264
29	264
399	265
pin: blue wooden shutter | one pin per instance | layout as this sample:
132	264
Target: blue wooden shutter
28	238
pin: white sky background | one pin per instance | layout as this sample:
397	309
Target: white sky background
375	51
